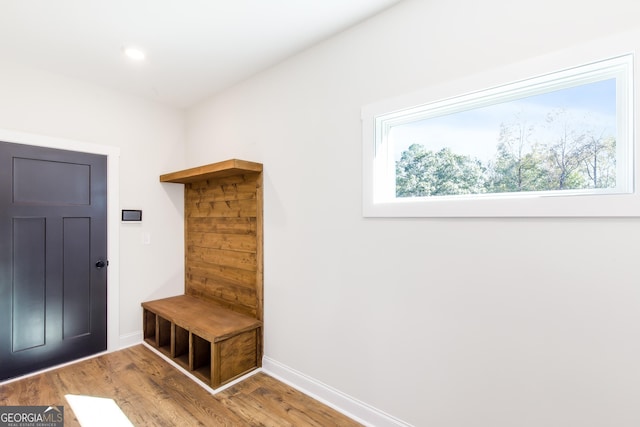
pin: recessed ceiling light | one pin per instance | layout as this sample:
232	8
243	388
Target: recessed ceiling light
134	53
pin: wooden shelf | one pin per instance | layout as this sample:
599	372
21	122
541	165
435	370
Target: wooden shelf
212	171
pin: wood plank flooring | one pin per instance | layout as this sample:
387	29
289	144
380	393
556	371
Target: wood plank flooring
151	392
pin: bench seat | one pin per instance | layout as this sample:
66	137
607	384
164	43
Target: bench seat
212	342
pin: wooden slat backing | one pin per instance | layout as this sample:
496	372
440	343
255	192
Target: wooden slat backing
236	259
230	242
223	241
222	225
223	209
231	188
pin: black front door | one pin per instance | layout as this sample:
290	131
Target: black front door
53	233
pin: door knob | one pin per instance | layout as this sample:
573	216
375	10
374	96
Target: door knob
101	264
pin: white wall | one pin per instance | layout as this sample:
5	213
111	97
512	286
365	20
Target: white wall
151	141
438	322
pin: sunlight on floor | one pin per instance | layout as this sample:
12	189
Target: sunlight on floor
97	411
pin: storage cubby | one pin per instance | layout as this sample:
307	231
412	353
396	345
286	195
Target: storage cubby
181	345
149	327
201	358
163	335
214	329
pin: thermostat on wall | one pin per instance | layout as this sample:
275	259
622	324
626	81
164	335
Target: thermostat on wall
130	215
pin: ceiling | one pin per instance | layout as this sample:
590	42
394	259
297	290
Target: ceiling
194	48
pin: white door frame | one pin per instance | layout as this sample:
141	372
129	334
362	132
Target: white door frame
113	223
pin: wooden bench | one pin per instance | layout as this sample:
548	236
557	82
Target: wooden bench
215	329
215	344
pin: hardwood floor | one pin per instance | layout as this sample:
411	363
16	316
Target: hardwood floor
151	392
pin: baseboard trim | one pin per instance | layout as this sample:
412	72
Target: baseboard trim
129	340
52	368
124	341
341	402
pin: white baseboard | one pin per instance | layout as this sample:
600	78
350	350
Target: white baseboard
125	341
129	340
52	368
341	402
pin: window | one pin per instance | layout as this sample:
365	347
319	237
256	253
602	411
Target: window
560	144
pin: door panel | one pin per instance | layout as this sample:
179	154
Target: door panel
29	283
76	295
52	232
49	182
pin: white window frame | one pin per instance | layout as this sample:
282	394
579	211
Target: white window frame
379	172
